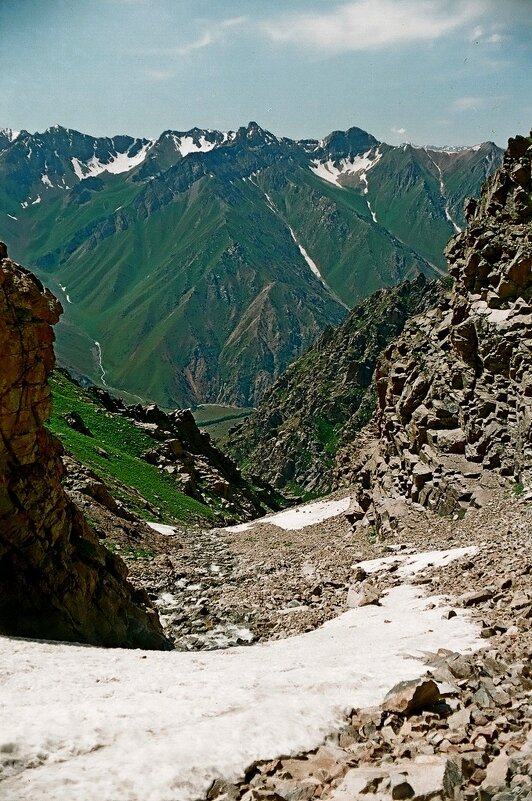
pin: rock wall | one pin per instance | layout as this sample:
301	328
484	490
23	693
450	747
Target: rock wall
455	389
56	581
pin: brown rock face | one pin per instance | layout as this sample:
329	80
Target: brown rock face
455	389
56	580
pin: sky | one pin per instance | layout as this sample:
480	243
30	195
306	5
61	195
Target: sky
441	72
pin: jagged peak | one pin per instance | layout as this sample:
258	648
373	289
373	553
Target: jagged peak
254	132
345	144
10	134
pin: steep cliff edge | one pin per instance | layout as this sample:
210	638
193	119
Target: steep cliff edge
455	389
56	581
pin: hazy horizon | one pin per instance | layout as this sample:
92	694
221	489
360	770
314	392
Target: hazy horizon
423	71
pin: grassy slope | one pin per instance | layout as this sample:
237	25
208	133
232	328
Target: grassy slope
355	256
408	201
126	474
145	289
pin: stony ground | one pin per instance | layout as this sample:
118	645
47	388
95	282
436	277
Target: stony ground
220	587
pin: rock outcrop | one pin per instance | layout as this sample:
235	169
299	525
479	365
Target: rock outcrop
56	580
200	469
327	395
455	389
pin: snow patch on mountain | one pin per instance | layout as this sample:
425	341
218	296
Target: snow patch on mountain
300	516
449	150
186	145
312	264
64	290
9	134
162	528
331	170
443	194
98	348
410	565
118	163
46	181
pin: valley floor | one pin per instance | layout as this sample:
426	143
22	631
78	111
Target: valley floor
86	723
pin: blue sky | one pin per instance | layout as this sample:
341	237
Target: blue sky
427	71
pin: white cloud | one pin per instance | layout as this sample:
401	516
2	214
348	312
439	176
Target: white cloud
211	35
476	33
398	130
471	103
204	40
490	36
373	24
232	22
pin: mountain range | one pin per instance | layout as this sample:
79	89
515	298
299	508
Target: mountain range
195	267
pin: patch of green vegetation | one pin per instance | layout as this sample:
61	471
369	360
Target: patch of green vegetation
219	420
326	434
137	554
305	457
208	413
302	494
372	535
130	478
518	489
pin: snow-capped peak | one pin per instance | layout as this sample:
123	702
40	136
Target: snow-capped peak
450	149
187	143
9	134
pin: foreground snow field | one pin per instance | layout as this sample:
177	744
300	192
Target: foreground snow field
116	725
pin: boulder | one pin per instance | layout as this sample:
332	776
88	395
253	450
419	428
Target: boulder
408	697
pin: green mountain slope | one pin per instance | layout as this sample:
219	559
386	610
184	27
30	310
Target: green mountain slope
196	267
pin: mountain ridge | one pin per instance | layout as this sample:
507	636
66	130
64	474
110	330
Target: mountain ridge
141	237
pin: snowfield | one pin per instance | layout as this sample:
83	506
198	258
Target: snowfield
300	516
118	725
118	163
411	564
162	528
357	165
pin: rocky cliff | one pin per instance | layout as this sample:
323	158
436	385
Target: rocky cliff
327	395
455	389
56	581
